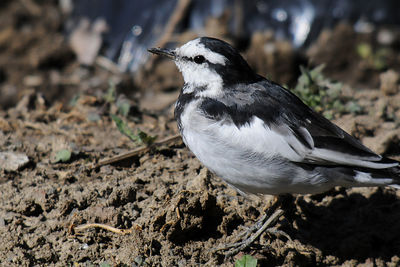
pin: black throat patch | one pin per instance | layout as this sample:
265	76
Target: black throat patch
182	102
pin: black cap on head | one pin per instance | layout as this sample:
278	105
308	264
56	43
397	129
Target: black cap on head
236	69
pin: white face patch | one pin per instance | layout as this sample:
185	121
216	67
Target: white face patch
198	76
194	48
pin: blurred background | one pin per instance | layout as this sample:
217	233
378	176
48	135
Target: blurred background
78	87
62	48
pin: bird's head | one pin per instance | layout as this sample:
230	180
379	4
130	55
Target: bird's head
209	65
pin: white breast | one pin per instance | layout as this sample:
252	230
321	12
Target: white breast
246	158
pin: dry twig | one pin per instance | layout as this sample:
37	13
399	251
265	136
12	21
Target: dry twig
176	17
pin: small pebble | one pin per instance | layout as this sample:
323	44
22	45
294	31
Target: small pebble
12	161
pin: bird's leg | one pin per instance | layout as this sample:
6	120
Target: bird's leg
252	233
245	234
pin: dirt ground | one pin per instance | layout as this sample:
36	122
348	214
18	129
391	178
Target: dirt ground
172	210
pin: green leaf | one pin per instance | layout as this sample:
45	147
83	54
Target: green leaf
140	137
364	50
111	94
246	261
320	93
123	128
63	155
123	107
145	138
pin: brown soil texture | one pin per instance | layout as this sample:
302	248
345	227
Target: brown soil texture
174	212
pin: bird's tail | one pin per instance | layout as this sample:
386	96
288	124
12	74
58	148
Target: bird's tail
387	176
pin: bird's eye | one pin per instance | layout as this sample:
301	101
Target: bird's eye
199	59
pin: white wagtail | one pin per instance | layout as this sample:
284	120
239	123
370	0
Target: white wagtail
259	137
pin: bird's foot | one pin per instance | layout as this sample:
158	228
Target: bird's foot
252	233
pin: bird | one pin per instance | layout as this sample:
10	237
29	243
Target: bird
259	137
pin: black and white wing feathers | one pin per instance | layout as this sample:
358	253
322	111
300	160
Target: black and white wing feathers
304	135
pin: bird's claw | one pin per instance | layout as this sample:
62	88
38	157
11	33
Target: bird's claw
248	236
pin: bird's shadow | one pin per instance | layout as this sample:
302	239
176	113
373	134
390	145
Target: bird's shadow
350	226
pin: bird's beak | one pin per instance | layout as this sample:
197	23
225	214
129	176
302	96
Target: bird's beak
163	52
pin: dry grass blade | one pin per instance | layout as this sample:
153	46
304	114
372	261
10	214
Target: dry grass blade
103	226
172	140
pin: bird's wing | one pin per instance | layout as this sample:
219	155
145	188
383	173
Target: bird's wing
276	120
